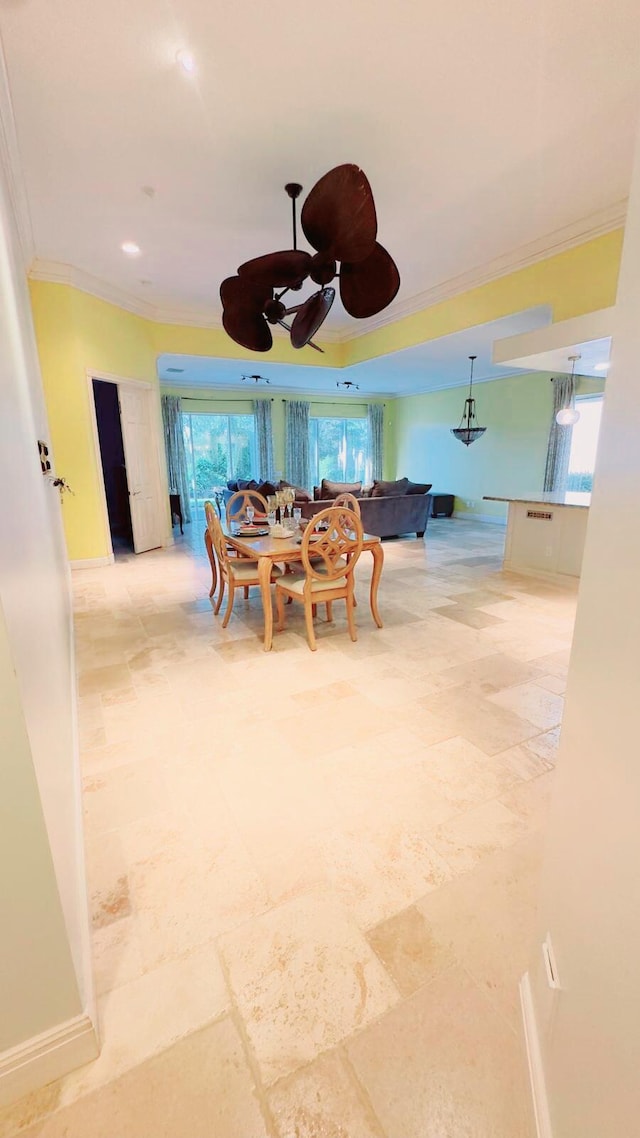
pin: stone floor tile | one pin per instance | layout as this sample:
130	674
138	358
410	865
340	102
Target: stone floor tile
197	1088
471	836
531	702
288	806
304	978
443	1064
323	1100
408	949
486	920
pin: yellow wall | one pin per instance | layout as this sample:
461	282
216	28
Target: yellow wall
579	280
78	334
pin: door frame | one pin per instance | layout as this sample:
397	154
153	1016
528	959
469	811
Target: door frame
160	478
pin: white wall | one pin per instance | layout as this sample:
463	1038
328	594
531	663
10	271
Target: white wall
42	785
590	1033
38	985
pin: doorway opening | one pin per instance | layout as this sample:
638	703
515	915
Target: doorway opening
114	466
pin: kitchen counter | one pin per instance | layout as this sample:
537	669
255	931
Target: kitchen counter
546	498
546	533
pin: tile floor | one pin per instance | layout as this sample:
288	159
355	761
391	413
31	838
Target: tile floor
313	876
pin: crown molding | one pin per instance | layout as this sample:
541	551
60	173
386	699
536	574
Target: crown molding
559	241
200	316
193	316
56	272
12	168
407	393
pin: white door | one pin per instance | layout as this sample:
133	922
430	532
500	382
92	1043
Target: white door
138	433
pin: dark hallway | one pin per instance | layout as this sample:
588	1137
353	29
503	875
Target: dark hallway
113	464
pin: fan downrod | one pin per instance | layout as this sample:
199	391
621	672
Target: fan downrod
294	189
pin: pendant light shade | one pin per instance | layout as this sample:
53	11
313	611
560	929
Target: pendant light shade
567	417
469	431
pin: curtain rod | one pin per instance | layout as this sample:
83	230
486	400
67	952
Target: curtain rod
345	402
316	402
196	399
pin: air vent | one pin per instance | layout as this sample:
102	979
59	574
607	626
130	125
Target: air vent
541	515
176	370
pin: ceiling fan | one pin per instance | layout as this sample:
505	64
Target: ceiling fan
339	221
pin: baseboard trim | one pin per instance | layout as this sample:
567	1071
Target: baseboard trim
489	519
92	562
541	574
46	1057
534	1056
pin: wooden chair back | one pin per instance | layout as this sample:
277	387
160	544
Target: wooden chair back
217	537
350	501
324	556
238	502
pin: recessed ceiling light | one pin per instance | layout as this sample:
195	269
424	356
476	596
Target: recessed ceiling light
130	248
186	61
602	367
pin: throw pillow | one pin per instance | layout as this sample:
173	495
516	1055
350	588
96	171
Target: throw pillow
302	495
419	487
247	484
330	490
266	488
232	485
386	489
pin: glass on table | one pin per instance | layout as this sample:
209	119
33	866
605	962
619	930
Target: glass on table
297	515
271	518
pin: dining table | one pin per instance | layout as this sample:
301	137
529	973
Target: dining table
269	551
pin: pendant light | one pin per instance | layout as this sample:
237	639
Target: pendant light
568	416
469	431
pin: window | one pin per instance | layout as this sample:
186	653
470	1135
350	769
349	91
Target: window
584	443
219	447
339	450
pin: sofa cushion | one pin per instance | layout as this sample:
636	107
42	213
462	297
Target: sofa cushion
302	495
419	487
386	489
330	490
266	488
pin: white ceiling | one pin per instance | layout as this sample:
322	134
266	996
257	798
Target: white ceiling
426	367
592	356
549	348
483	125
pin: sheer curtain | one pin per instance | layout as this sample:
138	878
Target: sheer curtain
375	416
176	454
264	437
559	446
297	442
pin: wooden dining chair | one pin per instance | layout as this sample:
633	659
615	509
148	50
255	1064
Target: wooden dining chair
329	560
238	502
235	572
350	501
208	542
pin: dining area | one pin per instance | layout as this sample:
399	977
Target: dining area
265	544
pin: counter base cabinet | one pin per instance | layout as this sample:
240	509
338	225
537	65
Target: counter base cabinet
545	539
